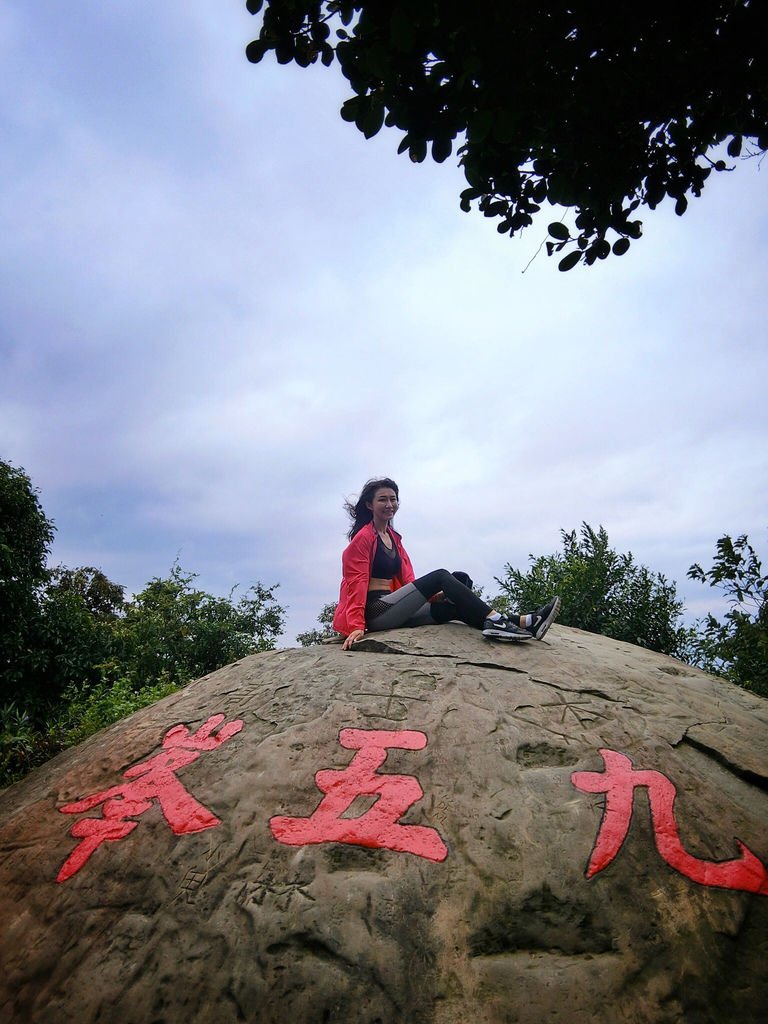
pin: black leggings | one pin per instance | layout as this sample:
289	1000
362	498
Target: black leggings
410	605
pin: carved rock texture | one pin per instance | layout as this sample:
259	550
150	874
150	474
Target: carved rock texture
228	924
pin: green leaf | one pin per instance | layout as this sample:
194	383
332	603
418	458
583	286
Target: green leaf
474	177
319	32
467	196
558	230
479	125
285	51
401	30
370	120
569	262
505	125
418	150
620	246
255	51
441	148
350	108
734	146
254	6
375	60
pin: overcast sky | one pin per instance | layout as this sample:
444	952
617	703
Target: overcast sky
222	310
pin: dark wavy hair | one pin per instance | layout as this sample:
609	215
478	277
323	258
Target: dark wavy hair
358	511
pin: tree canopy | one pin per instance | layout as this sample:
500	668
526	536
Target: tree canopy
75	655
736	646
602	590
174	632
596	108
25	538
326	631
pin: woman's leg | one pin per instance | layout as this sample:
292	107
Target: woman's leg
467	605
391	611
537	623
411	603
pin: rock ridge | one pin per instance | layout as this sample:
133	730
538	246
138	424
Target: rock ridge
413	831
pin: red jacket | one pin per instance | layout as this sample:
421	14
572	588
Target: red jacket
356	563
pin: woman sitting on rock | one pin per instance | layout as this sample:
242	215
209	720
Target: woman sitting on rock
379	589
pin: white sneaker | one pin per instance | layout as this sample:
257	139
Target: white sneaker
543	618
501	629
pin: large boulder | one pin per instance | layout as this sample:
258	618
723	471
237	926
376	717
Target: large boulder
430	828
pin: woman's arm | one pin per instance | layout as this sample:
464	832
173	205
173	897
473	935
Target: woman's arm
354	636
356	569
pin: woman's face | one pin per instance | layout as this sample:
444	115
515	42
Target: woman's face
384	504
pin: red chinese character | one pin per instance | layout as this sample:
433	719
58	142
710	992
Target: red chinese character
379	826
618	782
155	779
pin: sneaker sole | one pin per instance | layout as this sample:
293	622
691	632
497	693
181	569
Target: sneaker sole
493	634
544	627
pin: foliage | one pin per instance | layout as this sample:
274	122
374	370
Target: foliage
25	533
602	591
326	632
86	711
173	632
99	658
584	106
70	636
68	645
75	655
736	646
48	636
103	599
25	537
23	744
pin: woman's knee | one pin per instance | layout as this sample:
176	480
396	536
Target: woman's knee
432	582
440	575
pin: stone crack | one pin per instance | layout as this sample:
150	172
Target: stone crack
746	774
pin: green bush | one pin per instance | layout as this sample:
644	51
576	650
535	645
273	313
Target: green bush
602	591
25	538
173	632
326	631
23	745
85	712
75	656
735	647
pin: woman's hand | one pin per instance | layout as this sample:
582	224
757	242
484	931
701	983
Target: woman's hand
354	636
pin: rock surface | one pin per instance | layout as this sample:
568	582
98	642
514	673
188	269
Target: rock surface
469	903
